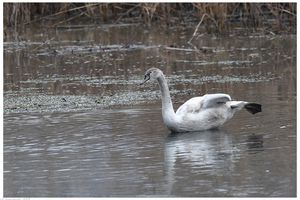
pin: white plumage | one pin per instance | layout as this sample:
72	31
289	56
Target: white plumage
199	113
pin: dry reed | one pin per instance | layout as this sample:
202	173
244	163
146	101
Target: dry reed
219	17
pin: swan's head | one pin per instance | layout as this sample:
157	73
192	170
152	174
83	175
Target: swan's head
152	74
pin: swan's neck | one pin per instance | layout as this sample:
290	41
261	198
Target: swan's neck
167	106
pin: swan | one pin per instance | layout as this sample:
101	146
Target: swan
201	113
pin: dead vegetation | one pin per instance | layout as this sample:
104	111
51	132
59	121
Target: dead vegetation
214	17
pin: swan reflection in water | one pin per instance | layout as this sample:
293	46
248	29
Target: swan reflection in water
198	158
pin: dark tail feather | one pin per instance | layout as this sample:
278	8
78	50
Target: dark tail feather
253	107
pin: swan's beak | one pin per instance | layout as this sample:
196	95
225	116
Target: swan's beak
147	78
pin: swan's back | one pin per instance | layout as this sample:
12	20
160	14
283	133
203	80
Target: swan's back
198	104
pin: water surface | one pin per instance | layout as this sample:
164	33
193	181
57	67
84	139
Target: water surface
76	122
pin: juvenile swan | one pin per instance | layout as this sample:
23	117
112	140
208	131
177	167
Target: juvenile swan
199	113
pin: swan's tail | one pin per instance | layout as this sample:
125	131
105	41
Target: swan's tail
253	107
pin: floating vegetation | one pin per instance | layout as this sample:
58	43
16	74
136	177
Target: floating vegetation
63	47
42	102
225	62
253	78
74	103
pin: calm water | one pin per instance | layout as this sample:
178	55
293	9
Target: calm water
125	150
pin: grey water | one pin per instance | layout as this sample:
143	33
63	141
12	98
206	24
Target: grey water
77	123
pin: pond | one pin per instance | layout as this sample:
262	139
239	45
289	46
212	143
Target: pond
78	124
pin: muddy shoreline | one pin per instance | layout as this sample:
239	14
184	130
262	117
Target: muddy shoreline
72	103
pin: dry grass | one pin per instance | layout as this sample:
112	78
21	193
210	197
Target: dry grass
217	17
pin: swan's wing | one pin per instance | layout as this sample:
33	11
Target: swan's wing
215	100
197	104
192	105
